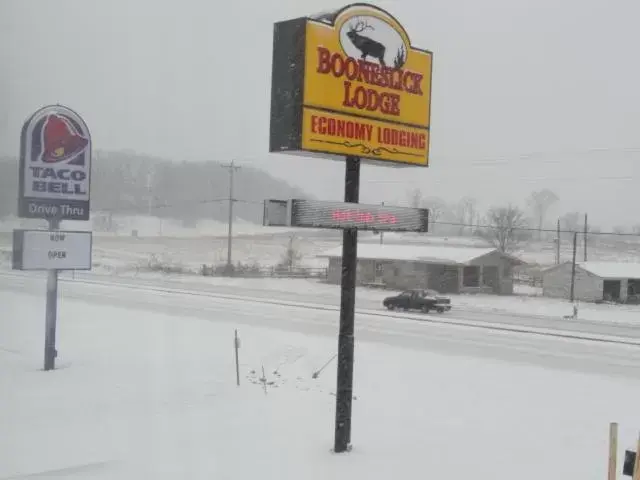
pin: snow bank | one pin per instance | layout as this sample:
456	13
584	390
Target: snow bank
141	395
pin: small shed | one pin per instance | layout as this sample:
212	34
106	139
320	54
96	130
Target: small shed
594	281
447	269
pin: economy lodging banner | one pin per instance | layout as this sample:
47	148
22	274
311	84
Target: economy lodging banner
350	83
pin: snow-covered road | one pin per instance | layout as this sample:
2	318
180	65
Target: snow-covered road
581	346
323	297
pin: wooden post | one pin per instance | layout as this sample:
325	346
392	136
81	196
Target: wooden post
236	346
264	380
613	450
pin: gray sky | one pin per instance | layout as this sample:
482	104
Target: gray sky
526	93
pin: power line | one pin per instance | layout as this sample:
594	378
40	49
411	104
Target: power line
506	157
597	178
531	229
435	222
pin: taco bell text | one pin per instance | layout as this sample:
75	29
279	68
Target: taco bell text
58	180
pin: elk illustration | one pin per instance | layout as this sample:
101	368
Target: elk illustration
400	58
367	46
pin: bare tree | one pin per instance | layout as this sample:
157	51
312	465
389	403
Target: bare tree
291	255
415	198
540	202
466	214
505	227
571	222
437	210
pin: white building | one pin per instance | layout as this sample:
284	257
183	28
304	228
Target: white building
447	269
594	281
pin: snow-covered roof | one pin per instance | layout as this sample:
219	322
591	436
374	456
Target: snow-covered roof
421	253
617	270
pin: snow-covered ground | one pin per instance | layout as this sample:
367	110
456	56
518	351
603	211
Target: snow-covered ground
146	389
143	226
322	293
124	255
136	239
185	248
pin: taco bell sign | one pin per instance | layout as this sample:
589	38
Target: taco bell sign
55	166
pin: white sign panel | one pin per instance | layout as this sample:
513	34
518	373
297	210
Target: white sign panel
51	250
55	166
277	213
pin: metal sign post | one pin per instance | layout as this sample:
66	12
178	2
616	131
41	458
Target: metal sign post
51	317
55	181
350	216
346	332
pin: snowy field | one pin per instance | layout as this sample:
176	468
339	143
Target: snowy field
185	248
146	389
141	239
127	257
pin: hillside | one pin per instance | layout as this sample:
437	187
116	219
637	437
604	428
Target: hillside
129	183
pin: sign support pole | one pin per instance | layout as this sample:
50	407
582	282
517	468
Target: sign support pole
52	311
344	390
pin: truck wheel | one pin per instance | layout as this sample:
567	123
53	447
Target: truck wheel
440	310
425	309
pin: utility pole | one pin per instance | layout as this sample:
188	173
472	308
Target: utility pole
381	232
149	185
558	243
231	167
573	266
586	228
151	175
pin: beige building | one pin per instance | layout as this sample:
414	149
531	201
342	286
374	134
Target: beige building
447	269
594	281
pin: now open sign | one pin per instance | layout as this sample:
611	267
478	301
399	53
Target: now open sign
46	250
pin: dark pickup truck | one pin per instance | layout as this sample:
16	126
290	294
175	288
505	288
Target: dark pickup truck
423	300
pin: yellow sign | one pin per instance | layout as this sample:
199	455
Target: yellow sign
350	83
342	134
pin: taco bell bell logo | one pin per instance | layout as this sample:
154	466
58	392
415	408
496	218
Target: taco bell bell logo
55	165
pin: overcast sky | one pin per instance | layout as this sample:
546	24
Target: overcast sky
526	93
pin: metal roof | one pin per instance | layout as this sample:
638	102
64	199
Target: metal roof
606	270
442	255
617	270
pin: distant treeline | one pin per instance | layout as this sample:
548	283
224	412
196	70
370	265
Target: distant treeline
133	184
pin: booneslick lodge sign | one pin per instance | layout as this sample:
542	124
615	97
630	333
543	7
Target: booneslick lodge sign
349	82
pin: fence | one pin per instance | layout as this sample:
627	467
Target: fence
531	276
256	271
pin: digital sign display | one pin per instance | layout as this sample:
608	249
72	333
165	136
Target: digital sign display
320	214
